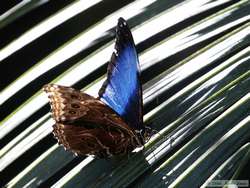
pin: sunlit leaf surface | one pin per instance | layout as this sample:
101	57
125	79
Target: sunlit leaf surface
195	60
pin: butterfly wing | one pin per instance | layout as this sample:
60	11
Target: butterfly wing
67	104
122	89
86	125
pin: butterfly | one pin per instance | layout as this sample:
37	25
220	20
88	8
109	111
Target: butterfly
112	123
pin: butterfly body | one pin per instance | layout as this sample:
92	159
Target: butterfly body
110	124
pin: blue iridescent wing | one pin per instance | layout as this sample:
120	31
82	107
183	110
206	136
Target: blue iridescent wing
122	89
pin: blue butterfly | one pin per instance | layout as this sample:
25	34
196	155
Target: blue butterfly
111	124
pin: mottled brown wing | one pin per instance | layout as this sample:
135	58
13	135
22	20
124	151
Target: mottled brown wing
67	104
97	142
86	125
